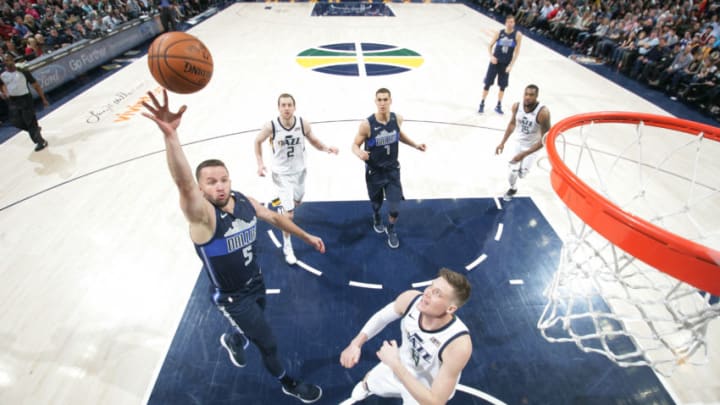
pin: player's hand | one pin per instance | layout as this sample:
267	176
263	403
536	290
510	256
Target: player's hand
167	120
508	69
499	149
493	60
519	157
333	150
421	147
45	102
350	356
389	354
364	155
261	171
316	242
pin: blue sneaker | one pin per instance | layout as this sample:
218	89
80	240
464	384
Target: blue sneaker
498	109
481	109
377	224
393	240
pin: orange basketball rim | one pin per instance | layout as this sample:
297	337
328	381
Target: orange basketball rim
691	262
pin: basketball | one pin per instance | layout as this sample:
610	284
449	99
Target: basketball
180	62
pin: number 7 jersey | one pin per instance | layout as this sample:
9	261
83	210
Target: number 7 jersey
383	143
288	145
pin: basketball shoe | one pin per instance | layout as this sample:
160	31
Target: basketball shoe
307	393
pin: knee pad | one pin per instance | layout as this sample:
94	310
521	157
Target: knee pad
486	87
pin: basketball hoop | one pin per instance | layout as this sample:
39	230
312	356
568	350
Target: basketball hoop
639	275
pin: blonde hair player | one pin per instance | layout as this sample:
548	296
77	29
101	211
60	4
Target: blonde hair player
287	135
528	125
435	348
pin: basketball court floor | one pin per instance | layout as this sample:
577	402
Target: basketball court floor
103	300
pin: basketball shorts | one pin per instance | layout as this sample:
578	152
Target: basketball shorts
381	381
523	166
386	181
291	188
497	70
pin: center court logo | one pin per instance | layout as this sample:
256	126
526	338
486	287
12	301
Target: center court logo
359	59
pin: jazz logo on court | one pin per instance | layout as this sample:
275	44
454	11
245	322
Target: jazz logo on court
359	59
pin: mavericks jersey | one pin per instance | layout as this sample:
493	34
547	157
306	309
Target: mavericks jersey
505	47
229	257
421	350
527	128
288	145
383	143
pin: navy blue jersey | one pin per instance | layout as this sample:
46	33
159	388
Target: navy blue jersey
505	47
229	257
383	143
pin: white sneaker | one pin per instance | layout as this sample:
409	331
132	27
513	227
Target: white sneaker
289	255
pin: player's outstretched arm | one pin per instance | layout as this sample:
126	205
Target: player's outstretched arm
264	134
391	312
314	141
508	131
196	208
455	356
405	139
285	224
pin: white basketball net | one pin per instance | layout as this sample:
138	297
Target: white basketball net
607	301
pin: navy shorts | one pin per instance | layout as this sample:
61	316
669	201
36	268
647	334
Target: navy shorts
384	180
497	70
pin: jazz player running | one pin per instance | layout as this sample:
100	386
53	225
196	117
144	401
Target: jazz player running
381	135
287	135
223	230
529	126
435	348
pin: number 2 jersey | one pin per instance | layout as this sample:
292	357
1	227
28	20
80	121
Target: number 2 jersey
229	257
288	145
383	143
421	350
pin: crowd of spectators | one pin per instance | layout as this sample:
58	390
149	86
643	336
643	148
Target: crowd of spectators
32	28
672	46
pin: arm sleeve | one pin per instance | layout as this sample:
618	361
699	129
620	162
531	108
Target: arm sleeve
380	320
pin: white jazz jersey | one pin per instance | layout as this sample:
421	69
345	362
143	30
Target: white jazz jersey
421	350
527	129
288	145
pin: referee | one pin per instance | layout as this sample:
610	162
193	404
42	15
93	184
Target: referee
15	90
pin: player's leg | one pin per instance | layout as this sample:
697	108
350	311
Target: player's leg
503	78
285	184
379	381
376	194
394	195
527	163
513	174
489	80
246	313
297	185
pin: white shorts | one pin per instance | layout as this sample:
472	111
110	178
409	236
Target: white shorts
523	166
291	188
381	381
